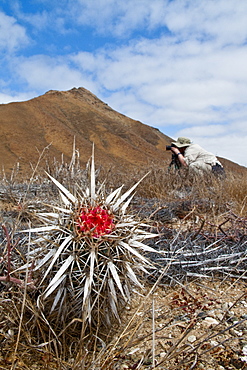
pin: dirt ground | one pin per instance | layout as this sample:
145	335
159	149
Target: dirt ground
200	325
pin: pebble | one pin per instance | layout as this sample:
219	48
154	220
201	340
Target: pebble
10	333
244	349
210	321
244	303
191	338
162	354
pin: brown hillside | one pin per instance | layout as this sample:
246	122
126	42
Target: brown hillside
56	118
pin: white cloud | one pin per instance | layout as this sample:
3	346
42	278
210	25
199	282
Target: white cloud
240	126
223	20
171	84
45	73
202	19
203	131
120	17
12	35
8	98
38	21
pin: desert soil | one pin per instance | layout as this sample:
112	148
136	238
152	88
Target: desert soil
198	325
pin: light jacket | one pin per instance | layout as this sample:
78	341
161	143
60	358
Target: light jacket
199	159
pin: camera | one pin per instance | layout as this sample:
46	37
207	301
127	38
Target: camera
168	147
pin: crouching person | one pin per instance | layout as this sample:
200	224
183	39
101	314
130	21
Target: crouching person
195	157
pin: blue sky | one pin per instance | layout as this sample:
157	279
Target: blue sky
177	65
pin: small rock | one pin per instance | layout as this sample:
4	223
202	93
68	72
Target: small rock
191	338
10	333
244	349
244	303
210	321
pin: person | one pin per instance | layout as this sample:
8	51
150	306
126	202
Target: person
195	157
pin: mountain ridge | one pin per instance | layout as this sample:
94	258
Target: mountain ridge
58	118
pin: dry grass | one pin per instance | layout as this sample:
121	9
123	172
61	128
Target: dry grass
229	192
25	336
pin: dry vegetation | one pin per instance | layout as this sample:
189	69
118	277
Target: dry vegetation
191	313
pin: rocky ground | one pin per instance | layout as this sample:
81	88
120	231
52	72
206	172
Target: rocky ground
197	325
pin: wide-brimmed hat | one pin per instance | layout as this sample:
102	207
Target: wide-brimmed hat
182	142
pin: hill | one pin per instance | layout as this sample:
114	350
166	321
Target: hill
57	118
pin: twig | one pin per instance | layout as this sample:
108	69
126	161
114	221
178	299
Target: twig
8	251
153	328
157	210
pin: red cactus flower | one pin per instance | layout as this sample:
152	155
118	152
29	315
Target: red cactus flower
94	221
